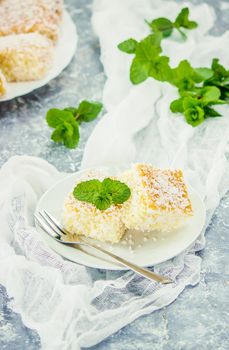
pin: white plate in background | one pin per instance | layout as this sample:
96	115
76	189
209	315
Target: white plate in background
64	51
158	248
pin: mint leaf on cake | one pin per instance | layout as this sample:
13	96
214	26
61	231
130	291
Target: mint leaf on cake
118	191
102	194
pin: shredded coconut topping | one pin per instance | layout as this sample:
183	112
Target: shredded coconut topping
25	16
25	57
165	189
84	218
24	41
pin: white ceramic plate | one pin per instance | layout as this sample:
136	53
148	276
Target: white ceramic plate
64	52
158	248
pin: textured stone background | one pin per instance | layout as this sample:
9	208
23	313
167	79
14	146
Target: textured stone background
199	318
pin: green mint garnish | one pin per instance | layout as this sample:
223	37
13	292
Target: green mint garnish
66	121
199	88
128	46
88	111
162	25
196	104
66	127
147	61
102	194
165	26
220	78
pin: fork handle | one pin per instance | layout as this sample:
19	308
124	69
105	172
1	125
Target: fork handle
140	270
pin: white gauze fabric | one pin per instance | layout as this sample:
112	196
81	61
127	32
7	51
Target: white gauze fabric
68	305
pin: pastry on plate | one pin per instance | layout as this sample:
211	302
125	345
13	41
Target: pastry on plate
28	16
2	84
159	199
83	218
25	57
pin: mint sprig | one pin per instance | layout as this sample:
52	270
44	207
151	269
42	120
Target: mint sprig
66	121
219	78
165	26
199	88
128	46
147	61
102	194
185	77
196	104
66	127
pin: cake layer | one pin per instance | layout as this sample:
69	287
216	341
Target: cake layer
84	218
2	84
29	16
25	57
159	199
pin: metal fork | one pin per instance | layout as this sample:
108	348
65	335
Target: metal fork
53	228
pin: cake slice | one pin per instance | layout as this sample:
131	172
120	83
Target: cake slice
83	218
2	84
159	199
29	16
25	57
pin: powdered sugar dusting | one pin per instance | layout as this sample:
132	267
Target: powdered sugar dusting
30	16
83	218
165	188
24	41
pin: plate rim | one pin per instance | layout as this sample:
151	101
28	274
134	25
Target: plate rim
106	265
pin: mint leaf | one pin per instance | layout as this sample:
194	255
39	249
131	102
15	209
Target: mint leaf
88	111
182	20
147	61
193	112
87	191
139	71
145	51
67	133
102	194
128	46
72	110
219	70
220	79
211	113
194	115
163	25
103	202
203	95
210	94
182	76
202	74
118	191
190	102
55	117
72	135
58	133
66	122
199	88
149	48
176	106
160	69
66	128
